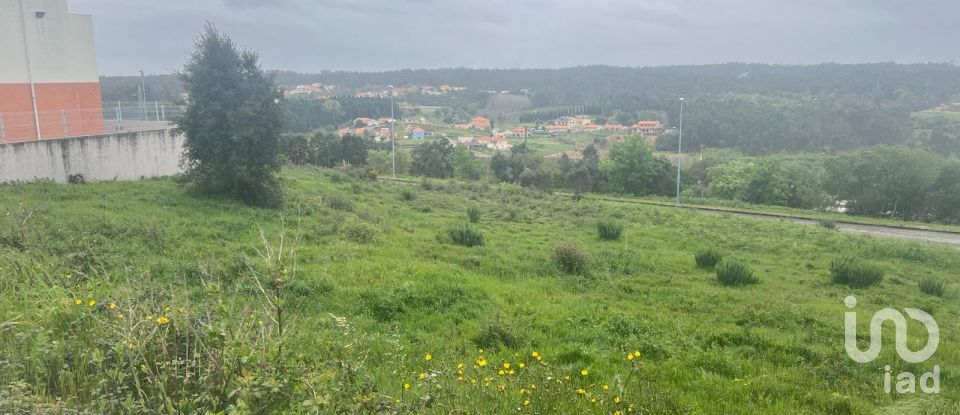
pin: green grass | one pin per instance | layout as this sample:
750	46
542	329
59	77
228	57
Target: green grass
364	312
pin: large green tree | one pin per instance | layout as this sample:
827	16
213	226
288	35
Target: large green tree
232	122
631	167
434	159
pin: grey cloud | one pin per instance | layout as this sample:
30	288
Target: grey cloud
311	35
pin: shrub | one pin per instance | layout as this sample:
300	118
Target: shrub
473	213
339	203
708	258
609	229
571	258
732	272
932	286
465	235
408	195
855	273
358	231
828	224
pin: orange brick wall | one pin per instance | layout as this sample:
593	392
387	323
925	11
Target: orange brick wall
79	102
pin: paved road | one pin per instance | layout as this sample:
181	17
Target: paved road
948	238
921	235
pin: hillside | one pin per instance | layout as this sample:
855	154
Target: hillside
142	296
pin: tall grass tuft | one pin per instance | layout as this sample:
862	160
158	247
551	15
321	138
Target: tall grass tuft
855	273
465	235
732	273
407	195
708	258
932	286
609	229
571	258
473	213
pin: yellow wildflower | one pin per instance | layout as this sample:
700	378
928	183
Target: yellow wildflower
630	356
521	365
501	388
406	386
481	362
501	372
423	375
506	365
580	391
605	387
459	365
78	302
584	372
526	402
636	354
92	302
535	354
428	357
163	320
113	306
616	399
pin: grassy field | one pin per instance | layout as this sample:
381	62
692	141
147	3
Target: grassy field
142	298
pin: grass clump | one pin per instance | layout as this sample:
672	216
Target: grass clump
465	235
708	258
735	273
407	195
473	213
828	224
609	229
571	258
855	273
932	286
339	203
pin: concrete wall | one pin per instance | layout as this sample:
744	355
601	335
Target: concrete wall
121	156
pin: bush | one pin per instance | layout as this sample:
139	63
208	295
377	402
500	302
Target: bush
465	235
408	195
932	286
359	231
708	258
473	213
855	273
732	272
339	203
609	229
571	258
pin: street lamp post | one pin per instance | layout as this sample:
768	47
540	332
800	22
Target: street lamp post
679	151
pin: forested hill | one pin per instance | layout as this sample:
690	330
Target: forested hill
757	108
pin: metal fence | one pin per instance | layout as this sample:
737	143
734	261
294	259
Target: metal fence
112	117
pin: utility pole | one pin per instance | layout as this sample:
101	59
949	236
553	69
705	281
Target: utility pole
393	136
679	151
26	52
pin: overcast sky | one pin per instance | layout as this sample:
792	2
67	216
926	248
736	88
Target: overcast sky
373	35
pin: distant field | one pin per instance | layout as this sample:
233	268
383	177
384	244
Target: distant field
926	115
376	286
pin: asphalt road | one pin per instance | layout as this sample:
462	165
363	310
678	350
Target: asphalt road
940	237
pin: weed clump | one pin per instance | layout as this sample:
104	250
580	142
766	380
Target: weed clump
734	273
828	224
609	229
932	286
473	213
407	195
708	258
571	258
339	203
855	273
465	235
495	335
